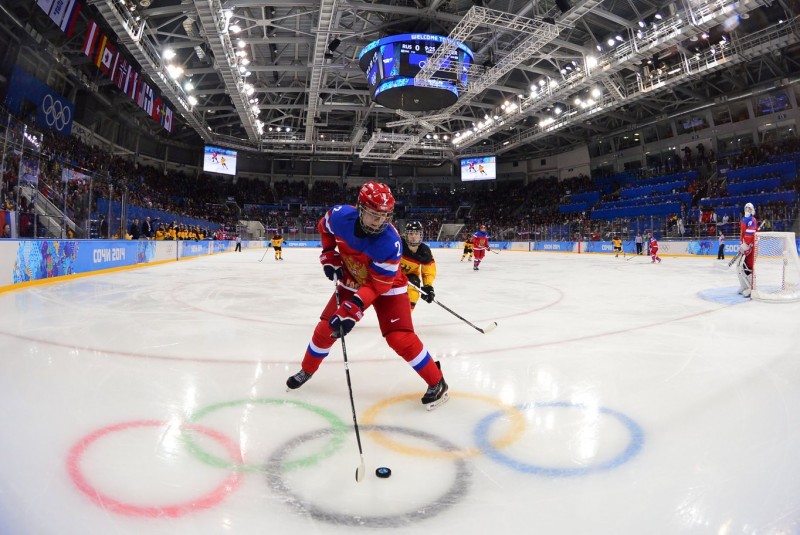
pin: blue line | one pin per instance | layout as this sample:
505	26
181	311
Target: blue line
634	446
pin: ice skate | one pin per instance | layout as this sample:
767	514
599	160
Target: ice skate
746	292
297	380
436	394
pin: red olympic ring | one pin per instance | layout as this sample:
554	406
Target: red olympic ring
106	502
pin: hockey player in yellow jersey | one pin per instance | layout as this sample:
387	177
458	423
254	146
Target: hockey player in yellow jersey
616	242
418	264
276	241
467	249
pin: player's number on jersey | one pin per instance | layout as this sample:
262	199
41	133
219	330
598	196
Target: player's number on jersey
399	248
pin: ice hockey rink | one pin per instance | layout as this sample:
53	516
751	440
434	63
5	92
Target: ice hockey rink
614	397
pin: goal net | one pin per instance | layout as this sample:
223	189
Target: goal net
777	268
449	232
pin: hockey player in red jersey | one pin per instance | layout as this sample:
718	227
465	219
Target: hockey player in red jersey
480	244
361	250
653	248
747	239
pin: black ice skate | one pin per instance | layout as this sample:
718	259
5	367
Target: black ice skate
297	380
436	394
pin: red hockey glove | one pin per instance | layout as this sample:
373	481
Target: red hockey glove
332	264
346	316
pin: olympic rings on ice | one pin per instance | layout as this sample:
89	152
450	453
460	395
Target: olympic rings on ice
75	460
338	432
279	464
634	445
458	489
516	420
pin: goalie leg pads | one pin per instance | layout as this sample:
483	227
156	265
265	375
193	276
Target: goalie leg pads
743	272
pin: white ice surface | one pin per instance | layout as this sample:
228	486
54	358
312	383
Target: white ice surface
614	397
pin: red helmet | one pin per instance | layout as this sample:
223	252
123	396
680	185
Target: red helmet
483	227
376	196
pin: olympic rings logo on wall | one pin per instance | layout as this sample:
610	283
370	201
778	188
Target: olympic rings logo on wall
298	453
56	114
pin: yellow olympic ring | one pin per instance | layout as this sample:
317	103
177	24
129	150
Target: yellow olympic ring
515	431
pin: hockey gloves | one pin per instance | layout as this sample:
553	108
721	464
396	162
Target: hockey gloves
346	316
428	294
332	264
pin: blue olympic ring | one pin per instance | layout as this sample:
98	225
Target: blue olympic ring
635	445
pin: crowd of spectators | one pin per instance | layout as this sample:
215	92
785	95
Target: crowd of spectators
510	208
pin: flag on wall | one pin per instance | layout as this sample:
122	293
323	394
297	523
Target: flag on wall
166	119
92	37
108	60
100	49
121	73
132	86
145	100
64	13
68	26
156	113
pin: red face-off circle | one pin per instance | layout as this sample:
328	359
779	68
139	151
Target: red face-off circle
108	503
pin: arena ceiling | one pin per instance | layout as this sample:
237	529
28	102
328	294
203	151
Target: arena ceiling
282	76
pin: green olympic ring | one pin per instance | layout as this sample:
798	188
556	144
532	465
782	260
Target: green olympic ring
338	431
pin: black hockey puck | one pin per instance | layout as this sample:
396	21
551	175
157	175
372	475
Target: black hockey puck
383	472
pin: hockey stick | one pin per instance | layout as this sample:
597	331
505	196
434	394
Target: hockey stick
265	252
361	469
485	330
493	251
727	265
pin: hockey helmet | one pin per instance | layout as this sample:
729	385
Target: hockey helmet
414	233
749	209
483	228
375	207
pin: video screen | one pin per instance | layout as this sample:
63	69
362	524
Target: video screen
482	168
406	54
219	160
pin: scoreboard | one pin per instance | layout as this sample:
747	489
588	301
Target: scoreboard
390	65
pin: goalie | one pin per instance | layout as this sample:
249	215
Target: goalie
747	240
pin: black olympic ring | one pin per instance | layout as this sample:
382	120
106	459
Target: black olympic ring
455	494
56	113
